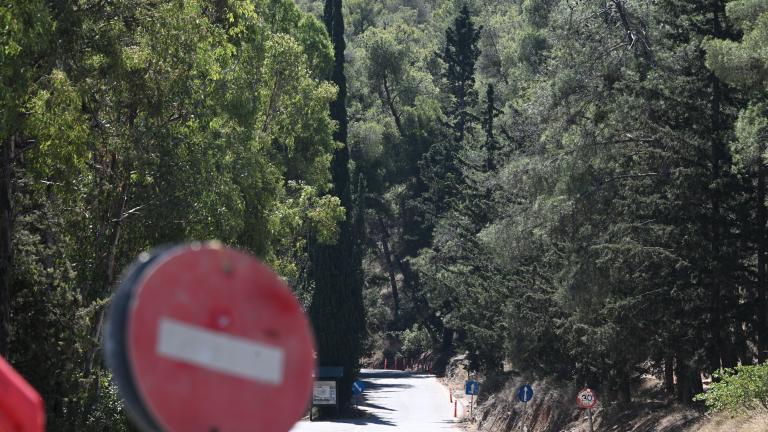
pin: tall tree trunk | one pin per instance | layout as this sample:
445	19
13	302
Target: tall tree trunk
6	240
688	380
461	122
760	304
107	269
446	350
392	108
669	374
625	388
715	347
390	265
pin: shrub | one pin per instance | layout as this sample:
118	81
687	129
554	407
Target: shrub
738	389
416	341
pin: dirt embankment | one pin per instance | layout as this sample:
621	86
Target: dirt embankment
553	409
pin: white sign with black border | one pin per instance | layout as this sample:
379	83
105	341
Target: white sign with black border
324	393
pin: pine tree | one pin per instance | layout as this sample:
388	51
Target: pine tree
743	64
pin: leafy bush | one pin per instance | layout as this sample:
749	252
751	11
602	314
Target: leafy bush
416	341
738	389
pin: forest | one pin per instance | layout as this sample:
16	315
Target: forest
576	189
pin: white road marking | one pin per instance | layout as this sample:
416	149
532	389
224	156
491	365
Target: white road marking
220	352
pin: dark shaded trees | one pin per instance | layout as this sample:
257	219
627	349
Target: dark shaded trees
741	65
611	197
337	310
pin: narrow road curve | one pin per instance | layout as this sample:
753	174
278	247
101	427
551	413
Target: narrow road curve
395	400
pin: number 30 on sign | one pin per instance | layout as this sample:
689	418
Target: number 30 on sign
586	398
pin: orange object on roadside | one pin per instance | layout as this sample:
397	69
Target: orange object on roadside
21	407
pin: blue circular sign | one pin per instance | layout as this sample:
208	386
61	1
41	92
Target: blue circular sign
525	393
358	387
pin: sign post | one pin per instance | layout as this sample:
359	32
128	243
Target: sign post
472	388
524	395
358	387
203	337
456	396
587	399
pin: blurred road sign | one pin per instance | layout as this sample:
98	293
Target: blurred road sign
586	398
472	388
203	337
525	393
21	407
324	393
358	387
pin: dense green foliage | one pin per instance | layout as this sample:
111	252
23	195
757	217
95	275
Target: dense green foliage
594	210
574	189
130	124
737	390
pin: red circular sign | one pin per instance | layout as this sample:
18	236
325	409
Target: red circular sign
586	398
217	342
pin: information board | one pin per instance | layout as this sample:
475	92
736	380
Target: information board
324	393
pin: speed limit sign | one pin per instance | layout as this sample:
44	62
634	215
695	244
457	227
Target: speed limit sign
586	398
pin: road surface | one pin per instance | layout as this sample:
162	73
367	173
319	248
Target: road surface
395	401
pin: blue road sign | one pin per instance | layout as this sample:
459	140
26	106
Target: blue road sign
525	393
473	388
358	387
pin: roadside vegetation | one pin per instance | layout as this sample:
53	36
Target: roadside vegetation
575	190
570	189
130	124
737	390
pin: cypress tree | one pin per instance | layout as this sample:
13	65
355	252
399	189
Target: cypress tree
441	165
460	55
336	311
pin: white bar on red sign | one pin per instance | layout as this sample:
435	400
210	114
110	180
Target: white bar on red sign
220	352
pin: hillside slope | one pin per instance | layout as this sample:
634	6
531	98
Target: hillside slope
553	409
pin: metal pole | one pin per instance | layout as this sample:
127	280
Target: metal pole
525	427
589	414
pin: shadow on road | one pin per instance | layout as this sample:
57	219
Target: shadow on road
383	373
370	419
395	399
378	407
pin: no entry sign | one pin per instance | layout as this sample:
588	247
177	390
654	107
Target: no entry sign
206	338
21	408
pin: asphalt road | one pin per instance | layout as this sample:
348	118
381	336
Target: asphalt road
395	401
